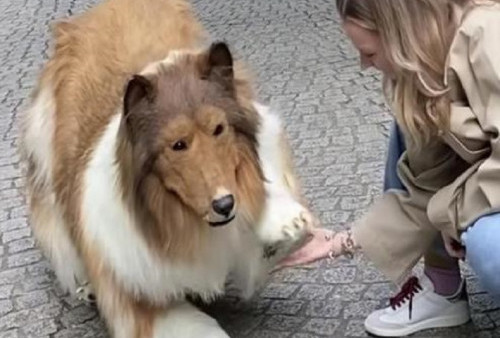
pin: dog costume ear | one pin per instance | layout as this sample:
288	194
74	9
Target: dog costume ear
139	88
220	60
139	95
217	65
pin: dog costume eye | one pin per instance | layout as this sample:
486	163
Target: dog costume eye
218	130
179	145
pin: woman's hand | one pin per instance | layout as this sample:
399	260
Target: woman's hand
453	247
317	246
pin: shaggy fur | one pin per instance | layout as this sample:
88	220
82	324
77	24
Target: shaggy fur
136	139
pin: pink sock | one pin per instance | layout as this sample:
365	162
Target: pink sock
446	281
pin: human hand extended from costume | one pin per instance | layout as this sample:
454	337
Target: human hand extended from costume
322	243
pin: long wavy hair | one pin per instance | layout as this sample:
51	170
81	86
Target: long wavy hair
416	36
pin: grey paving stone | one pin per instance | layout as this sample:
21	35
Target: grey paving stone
10	334
14	235
314	291
5	291
13	223
25	258
321	326
348	292
5	306
355	328
40	328
284	322
31	299
341	274
269	334
323	308
279	290
77	316
286	307
21	245
360	309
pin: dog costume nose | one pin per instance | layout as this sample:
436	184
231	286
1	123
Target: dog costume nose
224	205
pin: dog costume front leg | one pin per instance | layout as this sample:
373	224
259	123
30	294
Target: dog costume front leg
285	222
129	316
183	320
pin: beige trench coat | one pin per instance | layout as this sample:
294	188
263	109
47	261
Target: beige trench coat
453	183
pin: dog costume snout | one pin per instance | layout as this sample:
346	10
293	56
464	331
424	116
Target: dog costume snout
224	205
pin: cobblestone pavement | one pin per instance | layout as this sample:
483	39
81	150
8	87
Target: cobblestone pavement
337	123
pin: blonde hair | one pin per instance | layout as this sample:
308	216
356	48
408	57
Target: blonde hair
416	36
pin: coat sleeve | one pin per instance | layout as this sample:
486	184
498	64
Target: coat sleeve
394	234
395	231
477	58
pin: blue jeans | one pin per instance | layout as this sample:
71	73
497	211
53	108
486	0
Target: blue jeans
481	239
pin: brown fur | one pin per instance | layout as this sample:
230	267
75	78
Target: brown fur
120	308
90	66
174	189
94	56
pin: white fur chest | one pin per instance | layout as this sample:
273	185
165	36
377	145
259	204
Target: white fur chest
108	224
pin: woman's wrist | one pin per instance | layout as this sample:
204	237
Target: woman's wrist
343	244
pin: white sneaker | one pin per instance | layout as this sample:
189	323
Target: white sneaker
417	307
